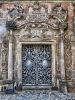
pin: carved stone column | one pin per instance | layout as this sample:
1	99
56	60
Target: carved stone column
62	63
10	58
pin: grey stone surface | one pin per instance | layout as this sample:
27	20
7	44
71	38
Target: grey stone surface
35	95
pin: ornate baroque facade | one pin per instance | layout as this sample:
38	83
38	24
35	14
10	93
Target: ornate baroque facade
38	48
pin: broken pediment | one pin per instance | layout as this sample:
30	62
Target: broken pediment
22	17
38	22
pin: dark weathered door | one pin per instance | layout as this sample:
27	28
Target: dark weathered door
36	65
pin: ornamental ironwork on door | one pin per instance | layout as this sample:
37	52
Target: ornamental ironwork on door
36	65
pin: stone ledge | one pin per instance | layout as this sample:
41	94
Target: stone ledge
29	1
41	95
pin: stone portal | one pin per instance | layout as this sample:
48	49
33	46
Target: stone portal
36	66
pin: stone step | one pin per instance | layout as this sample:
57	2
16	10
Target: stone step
37	95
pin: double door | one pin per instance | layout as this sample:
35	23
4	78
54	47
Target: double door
36	65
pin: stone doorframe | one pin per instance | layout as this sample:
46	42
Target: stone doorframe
19	56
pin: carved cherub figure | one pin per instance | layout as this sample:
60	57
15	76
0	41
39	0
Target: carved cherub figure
19	8
15	12
60	13
59	16
14	15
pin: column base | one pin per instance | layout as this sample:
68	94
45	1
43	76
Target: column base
63	86
9	91
19	87
54	88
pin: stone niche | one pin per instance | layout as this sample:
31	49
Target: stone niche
34	25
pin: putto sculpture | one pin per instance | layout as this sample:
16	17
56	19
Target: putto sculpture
59	17
15	12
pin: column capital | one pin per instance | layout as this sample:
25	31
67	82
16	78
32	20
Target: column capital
10	36
61	34
10	39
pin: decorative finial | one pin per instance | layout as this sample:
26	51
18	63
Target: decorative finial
73	4
36	5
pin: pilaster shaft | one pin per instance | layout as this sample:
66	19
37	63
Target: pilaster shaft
19	66
53	66
62	65
10	58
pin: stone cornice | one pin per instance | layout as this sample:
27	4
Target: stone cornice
30	1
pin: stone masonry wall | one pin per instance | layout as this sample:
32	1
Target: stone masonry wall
69	38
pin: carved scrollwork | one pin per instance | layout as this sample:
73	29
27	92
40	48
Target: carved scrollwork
4	59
